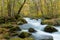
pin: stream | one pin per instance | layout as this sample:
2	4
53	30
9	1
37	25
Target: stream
40	34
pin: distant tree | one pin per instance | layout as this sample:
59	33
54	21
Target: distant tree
2	7
9	7
36	5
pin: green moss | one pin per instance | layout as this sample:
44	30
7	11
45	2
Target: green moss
24	35
50	29
10	19
21	38
54	22
15	29
6	35
2	20
10	29
21	21
31	30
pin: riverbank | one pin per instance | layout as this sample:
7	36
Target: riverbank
9	28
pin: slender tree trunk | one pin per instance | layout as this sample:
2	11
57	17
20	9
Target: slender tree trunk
2	7
42	12
21	7
36	6
12	8
9	7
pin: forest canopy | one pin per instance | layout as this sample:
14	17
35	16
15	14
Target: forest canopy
33	8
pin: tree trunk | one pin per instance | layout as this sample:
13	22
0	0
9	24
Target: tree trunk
21	7
2	7
9	7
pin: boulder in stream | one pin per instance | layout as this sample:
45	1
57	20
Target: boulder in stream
50	29
31	30
21	21
24	35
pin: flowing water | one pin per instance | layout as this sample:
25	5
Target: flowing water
36	24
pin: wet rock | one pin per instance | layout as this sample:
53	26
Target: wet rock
31	30
21	21
24	35
14	29
50	29
54	22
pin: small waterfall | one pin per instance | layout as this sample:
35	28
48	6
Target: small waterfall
36	24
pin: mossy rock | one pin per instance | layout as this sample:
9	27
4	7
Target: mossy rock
17	16
21	21
13	34
14	29
10	26
24	35
31	30
17	38
7	26
6	35
54	22
2	20
49	22
57	22
50	29
10	19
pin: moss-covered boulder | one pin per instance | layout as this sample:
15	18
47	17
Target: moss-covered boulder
9	19
2	20
21	21
49	22
17	38
11	29
50	29
57	22
15	29
54	22
31	30
24	35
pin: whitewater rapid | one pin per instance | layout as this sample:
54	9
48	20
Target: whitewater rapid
36	24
